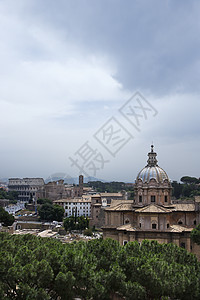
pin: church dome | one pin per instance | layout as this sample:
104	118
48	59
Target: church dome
156	172
152	170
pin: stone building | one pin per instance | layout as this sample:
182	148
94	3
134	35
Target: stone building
99	202
55	190
152	214
52	190
26	187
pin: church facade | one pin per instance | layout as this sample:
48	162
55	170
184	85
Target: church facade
153	215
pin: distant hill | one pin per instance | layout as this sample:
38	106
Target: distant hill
4	180
70	180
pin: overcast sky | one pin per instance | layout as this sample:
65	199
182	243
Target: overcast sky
66	69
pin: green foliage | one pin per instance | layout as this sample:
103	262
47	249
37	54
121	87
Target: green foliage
5	218
44	201
88	232
195	235
42	268
76	223
110	187
188	189
11	195
177	189
50	212
189	180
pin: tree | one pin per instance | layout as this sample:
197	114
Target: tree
195	235
49	212
188	189
76	223
42	268
5	218
11	195
44	201
189	180
111	187
58	213
177	189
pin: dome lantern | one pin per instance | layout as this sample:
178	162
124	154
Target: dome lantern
152	161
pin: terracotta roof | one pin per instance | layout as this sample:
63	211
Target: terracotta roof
71	200
127	227
115	202
86	197
179	228
184	207
111	194
153	208
121	206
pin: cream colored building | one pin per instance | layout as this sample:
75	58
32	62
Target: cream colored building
153	215
76	206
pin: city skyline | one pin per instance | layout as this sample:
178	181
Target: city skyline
68	68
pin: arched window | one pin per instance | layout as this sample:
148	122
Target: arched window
154	226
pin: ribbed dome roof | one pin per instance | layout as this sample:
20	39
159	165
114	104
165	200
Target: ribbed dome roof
156	172
152	170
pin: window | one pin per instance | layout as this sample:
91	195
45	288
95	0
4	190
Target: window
180	222
154	226
153	198
125	242
165	198
183	245
140	225
195	222
140	198
167	225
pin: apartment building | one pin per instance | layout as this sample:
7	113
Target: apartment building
76	206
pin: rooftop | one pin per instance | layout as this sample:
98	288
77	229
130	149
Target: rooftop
153	208
74	200
125	205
